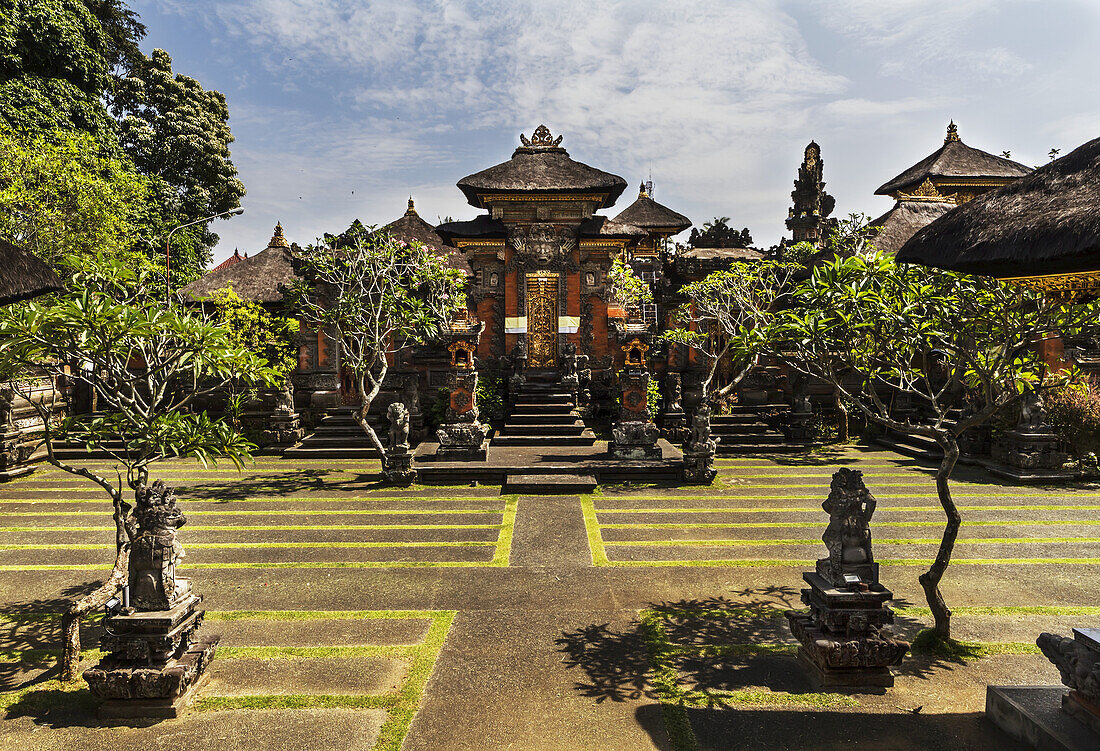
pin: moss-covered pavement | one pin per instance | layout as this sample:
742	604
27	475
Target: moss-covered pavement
359	617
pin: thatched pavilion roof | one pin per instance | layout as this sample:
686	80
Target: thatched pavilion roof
412	227
601	226
904	219
954	160
256	278
25	275
1045	223
650	215
540	165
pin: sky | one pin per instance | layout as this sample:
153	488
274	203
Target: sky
342	109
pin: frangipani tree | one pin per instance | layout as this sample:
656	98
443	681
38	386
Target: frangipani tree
728	316
145	363
375	296
869	326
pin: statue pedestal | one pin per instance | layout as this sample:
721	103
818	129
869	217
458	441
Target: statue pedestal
1030	449
634	439
841	641
155	663
699	462
397	466
283	429
796	426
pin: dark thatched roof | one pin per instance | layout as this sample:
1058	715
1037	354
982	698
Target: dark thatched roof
648	214
25	275
901	222
721	254
481	226
542	168
954	160
256	278
1045	223
601	226
411	227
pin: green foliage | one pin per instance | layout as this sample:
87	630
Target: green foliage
718	234
145	361
490	395
438	412
627	290
800	252
251	327
1074	412
653	397
54	69
62	195
177	133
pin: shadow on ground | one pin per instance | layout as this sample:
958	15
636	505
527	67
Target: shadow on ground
285	483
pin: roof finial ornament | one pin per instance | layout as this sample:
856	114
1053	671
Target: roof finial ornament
411	211
952	132
540	139
642	193
278	240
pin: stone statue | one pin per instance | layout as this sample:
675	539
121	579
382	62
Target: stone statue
284	399
674	393
156	551
1077	660
410	392
850	506
699	448
398	415
1033	414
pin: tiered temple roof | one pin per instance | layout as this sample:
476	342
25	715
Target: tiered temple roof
652	216
905	218
954	169
541	165
412	227
1042	226
255	278
25	275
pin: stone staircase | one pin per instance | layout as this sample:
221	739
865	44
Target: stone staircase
744	431
338	436
544	414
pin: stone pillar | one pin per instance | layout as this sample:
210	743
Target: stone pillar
397	460
155	660
463	437
673	419
796	424
284	426
634	435
843	642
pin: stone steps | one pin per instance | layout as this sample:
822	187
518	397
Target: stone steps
549	484
543	415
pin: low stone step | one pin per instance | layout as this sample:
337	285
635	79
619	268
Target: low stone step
332	452
541	419
746	418
758	448
541	409
574	428
744	429
587	438
556	484
764	438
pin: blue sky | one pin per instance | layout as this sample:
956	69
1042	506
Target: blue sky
343	108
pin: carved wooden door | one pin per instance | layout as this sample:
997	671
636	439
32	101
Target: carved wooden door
542	320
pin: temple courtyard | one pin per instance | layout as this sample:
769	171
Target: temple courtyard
453	617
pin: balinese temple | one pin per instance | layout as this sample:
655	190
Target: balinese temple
541	252
257	278
954	174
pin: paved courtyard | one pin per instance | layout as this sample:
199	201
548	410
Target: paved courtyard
360	617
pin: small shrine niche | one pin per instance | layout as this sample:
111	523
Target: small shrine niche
635	351
462	354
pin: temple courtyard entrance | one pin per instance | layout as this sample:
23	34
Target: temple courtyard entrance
457	617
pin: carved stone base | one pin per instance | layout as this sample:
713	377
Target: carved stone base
161	689
841	679
462	442
796	426
674	426
397	467
699	462
283	430
634	439
1026	450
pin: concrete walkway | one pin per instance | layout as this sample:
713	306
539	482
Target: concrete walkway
453	618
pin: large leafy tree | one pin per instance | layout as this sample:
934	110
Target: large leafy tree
727	318
374	296
177	133
54	68
62	194
145	363
718	234
963	348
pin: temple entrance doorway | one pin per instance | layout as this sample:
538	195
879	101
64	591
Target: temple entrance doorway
542	320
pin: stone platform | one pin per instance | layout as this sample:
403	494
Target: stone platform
1034	715
593	460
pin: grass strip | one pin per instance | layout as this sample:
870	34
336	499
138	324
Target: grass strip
592	529
267	527
287	512
1064	610
894	541
275	545
503	554
297	701
294	653
818	525
666	683
319	615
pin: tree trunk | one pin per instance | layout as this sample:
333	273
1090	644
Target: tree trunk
842	433
930	579
70	621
